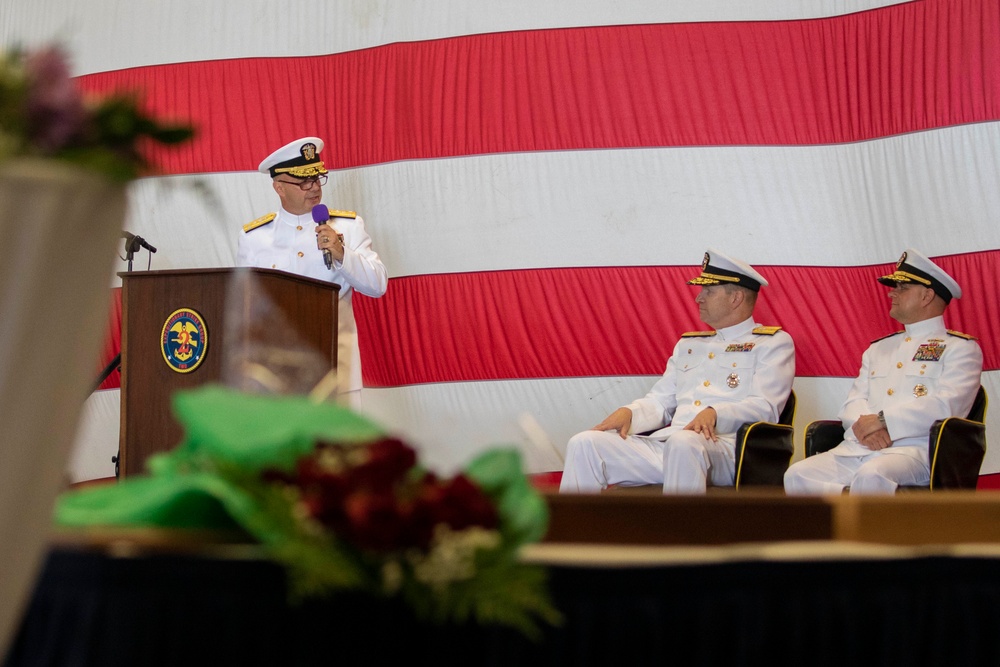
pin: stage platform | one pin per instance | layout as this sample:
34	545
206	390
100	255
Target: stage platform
641	517
729	578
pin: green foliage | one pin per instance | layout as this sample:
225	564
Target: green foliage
256	432
503	592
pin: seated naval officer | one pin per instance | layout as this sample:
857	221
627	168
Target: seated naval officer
714	382
908	380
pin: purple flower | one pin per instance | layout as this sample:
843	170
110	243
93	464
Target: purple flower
54	105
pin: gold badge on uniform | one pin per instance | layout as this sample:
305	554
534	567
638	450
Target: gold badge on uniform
739	347
919	390
929	352
733	380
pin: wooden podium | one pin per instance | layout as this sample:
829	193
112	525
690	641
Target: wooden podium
152	298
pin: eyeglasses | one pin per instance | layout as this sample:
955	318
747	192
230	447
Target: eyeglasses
308	183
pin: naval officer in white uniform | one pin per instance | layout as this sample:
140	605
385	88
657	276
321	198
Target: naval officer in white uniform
908	380
291	241
714	382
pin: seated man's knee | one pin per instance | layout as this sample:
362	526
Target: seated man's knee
814	474
794	478
791	476
684	443
588	441
576	444
870	479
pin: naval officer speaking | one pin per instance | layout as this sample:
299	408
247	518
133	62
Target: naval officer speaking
336	248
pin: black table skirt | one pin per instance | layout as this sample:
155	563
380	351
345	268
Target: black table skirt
92	609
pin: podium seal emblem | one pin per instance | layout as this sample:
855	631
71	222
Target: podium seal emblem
183	340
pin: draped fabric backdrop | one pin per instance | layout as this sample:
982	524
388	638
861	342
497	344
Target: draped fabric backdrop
540	179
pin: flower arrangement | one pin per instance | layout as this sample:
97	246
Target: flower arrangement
43	113
343	507
368	517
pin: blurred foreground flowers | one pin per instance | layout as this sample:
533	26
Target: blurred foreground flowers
343	507
43	113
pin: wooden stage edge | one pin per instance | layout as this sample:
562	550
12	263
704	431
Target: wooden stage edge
767	517
640	527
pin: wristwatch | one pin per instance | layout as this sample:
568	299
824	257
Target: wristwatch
881	419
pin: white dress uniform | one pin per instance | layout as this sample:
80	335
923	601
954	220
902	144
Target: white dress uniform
287	242
744	372
912	378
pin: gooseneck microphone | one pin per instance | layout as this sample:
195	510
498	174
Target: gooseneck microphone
321	215
134	242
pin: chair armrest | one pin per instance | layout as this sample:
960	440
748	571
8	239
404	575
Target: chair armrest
763	452
823	435
956	447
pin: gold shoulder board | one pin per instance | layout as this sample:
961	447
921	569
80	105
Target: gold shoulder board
959	334
894	333
342	214
259	222
691	334
766	331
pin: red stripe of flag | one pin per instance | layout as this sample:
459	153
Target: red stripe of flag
897	69
548	323
518	324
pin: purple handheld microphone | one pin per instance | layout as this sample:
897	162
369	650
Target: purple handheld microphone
321	215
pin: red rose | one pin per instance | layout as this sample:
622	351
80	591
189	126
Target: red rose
374	521
457	503
468	505
388	462
376	504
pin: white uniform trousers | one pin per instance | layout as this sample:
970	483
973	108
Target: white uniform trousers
685	462
876	473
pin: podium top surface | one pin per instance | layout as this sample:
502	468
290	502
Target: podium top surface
228	270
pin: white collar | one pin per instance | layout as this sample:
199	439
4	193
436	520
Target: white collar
293	220
924	328
737	330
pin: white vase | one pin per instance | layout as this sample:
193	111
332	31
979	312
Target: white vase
59	227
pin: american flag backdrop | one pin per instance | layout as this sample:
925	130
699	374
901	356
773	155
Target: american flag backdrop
541	178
